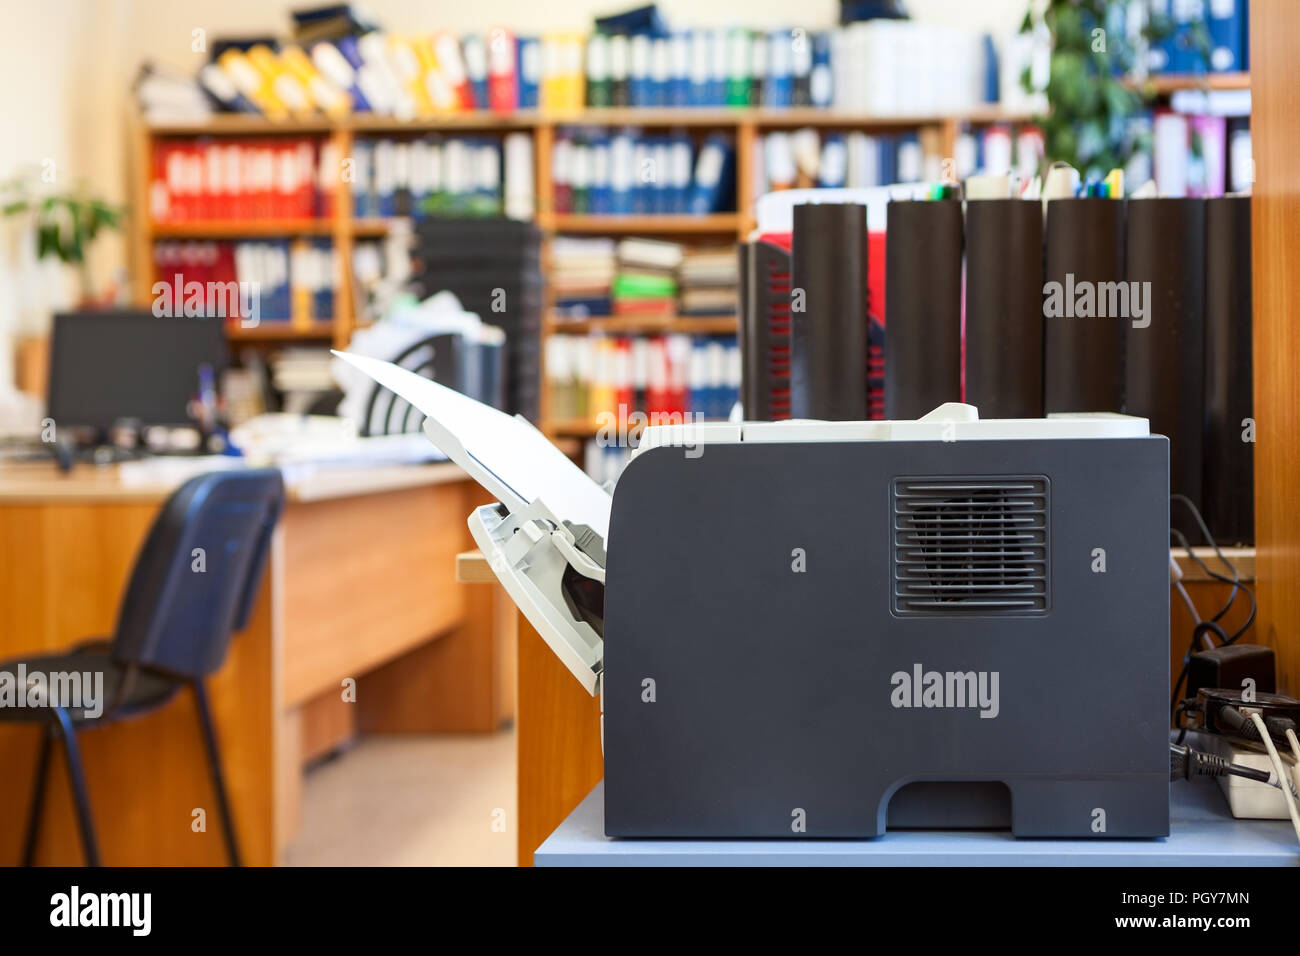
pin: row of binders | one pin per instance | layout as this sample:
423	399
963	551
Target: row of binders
280	280
736	67
625	172
296	178
1181	25
605	380
443	176
808	158
885	66
238	179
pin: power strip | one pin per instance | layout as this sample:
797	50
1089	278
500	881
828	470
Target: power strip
1249	799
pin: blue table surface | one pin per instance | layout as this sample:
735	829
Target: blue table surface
1202	832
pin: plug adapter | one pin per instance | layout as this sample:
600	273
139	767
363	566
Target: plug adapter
1229	665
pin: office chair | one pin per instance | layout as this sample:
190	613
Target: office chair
181	607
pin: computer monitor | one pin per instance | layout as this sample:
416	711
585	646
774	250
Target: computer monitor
109	366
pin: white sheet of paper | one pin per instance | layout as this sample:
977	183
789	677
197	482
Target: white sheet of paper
515	453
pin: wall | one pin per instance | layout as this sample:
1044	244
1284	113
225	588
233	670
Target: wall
63	100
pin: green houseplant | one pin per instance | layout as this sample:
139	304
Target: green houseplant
66	223
1091	91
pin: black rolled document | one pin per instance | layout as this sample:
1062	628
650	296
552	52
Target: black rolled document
828	312
1004	307
1083	343
922	306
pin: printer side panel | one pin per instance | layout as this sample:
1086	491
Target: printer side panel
764	678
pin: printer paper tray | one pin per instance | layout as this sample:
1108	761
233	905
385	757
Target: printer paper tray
531	569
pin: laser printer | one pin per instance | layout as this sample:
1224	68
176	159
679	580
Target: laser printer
827	629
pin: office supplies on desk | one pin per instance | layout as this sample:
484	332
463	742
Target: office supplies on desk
895	684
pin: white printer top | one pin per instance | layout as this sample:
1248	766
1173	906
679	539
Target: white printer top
950	422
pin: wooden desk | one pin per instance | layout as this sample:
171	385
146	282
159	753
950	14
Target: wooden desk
360	585
559	758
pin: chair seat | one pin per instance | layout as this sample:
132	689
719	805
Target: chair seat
149	690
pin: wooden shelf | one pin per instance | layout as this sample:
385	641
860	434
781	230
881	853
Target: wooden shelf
570	428
1243	559
244	124
278	330
232	124
725	222
245	229
1166	83
647	325
744	124
371	227
262	228
365	123
795	117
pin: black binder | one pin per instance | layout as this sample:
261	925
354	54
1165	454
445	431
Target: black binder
1229	489
1004	307
1083	358
828	312
1165	360
922	306
765	331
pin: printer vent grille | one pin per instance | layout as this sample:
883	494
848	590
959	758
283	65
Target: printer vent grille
971	546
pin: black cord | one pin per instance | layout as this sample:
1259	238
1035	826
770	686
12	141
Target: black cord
1237	586
1211	626
1196	559
1235	580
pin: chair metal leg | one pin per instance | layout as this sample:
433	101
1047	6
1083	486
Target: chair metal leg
38	796
77	776
214	765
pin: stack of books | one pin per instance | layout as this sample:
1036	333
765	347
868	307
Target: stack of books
646	282
582	272
708	279
301	375
168	97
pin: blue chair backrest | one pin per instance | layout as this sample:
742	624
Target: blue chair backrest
197	575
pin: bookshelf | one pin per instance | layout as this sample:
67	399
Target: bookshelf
744	124
1164	84
650	325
